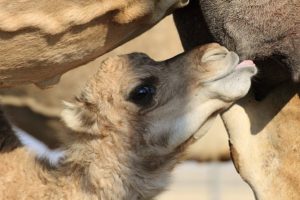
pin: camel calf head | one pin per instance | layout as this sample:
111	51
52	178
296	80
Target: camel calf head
168	101
135	117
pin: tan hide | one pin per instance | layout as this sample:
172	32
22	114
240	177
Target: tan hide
41	39
265	143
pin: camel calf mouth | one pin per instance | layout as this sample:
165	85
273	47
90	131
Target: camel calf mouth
134	118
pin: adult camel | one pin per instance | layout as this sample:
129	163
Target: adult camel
264	135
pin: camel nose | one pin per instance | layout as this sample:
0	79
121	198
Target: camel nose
203	54
210	60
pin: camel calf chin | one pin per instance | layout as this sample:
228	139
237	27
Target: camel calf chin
129	127
265	143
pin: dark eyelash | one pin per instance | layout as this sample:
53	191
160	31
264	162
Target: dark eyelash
143	94
152	80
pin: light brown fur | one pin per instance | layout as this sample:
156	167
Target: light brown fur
40	39
119	150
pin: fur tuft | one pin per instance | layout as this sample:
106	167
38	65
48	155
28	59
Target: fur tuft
78	118
37	147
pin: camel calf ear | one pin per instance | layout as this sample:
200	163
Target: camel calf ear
80	117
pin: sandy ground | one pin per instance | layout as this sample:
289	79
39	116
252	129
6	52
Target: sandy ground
206	181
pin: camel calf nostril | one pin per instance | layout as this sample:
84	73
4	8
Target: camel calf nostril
214	54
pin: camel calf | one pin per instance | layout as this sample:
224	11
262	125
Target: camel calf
129	127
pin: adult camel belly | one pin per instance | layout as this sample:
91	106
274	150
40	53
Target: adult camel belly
41	39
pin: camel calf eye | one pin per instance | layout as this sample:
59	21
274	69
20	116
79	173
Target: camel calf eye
143	95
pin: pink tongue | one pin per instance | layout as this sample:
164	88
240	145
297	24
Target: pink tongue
245	63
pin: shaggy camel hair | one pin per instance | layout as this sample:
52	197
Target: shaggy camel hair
41	39
265	142
266	31
129	127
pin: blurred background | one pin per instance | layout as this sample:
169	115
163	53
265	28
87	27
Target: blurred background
207	174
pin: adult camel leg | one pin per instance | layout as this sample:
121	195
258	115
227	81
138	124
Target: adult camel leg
265	142
191	26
